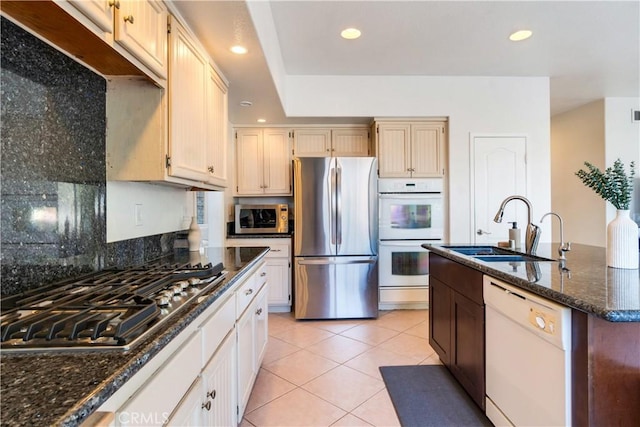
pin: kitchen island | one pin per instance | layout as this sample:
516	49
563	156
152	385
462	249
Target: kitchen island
64	388
605	319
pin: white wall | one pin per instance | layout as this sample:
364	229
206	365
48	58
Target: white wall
622	137
578	136
163	209
474	105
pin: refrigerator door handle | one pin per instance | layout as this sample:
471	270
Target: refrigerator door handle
332	203
338	208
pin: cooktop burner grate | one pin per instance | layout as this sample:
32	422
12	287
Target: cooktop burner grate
108	309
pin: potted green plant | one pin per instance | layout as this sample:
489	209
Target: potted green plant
616	187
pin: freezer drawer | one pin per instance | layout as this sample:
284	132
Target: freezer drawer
336	287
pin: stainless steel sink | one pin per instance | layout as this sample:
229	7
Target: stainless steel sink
495	254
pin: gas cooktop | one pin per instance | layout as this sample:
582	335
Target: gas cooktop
110	309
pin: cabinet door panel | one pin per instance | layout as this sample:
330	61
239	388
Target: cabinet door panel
244	330
393	150
350	142
219	378
187	107
440	319
217	118
278	274
426	150
141	27
261	330
249	161
277	162
312	142
467	336
189	412
100	12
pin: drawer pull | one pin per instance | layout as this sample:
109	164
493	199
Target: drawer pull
276	250
207	405
211	394
264	273
259	311
248	291
128	18
115	3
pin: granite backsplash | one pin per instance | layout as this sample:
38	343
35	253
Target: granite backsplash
53	173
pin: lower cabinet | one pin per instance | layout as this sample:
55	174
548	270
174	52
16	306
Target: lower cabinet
278	261
456	322
252	343
203	376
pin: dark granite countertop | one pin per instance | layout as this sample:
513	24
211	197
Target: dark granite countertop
48	388
586	284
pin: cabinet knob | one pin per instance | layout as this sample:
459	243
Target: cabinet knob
248	292
115	3
207	405
263	274
211	394
210	168
259	311
128	18
327	149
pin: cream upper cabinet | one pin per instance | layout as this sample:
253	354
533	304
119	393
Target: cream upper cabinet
137	27
312	142
332	142
99	12
141	27
188	78
263	162
217	118
410	149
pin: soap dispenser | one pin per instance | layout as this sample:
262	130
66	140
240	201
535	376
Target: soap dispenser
514	234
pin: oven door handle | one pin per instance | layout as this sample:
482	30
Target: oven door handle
411	196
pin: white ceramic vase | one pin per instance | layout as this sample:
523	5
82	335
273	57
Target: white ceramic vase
622	241
194	235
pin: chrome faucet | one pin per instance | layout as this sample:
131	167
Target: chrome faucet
564	247
532	234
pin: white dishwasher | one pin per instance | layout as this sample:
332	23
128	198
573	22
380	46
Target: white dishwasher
528	358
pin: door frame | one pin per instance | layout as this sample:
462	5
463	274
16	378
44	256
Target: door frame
472	171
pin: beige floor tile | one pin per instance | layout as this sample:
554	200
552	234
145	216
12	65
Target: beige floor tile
267	388
369	334
277	349
344	387
300	367
401	320
369	361
420	330
339	348
335	326
302	336
350	420
245	423
434	359
279	322
296	408
378	411
408	345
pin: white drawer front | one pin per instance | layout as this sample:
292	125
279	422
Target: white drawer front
216	328
279	251
404	295
245	293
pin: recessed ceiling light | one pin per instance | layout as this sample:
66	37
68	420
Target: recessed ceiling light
246	103
520	35
350	33
261	121
240	50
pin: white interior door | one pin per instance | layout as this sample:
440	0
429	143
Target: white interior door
499	171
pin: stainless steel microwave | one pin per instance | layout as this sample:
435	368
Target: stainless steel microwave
262	219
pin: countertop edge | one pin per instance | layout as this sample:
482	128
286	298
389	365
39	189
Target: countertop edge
107	388
603	313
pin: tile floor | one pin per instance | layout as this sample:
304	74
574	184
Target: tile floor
325	373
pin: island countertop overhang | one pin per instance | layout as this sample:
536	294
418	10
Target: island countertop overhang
584	282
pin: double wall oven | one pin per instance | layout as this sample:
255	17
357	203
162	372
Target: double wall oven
411	213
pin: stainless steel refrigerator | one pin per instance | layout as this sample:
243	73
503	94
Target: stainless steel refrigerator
335	239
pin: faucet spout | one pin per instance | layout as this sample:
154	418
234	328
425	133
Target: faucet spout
564	247
533	231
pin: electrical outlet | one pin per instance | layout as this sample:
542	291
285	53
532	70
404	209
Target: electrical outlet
137	214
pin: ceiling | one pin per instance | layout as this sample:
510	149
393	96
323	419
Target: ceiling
589	49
